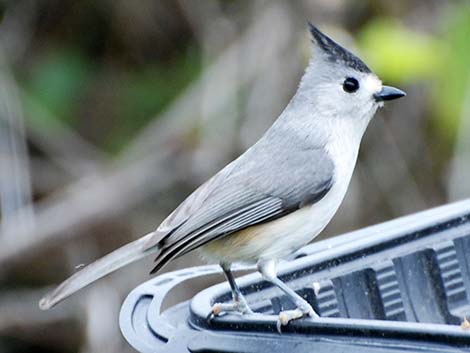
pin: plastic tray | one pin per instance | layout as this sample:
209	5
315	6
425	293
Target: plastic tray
400	286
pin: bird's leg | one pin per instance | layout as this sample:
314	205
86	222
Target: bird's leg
268	271
239	302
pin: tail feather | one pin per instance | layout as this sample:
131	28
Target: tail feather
123	256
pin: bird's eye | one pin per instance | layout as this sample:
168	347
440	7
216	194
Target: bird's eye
350	85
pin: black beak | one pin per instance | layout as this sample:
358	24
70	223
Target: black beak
388	93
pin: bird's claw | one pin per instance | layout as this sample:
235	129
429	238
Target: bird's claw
287	316
239	306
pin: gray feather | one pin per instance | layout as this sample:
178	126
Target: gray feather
121	257
335	52
263	184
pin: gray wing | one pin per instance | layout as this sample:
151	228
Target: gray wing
261	185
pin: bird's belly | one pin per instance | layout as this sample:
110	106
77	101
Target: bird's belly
278	238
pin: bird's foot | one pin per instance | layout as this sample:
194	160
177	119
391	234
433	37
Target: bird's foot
238	306
287	316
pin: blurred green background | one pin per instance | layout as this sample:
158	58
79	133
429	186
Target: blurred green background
112	112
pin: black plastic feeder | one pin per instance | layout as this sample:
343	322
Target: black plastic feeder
400	286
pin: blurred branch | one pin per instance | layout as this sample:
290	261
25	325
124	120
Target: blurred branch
204	18
101	315
174	121
18	308
63	145
15	183
458	186
48	177
16	28
278	78
392	173
85	202
213	31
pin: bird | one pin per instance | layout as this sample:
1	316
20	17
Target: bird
275	197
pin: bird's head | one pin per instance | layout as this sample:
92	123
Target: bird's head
339	85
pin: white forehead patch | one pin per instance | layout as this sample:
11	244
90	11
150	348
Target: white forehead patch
372	83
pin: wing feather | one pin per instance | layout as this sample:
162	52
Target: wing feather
255	188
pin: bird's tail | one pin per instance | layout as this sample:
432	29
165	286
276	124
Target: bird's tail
123	256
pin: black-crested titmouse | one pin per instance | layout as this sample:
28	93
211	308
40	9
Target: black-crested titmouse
279	194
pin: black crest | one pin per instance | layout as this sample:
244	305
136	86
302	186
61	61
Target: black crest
335	52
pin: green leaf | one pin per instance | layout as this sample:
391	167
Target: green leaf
454	80
398	54
57	79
